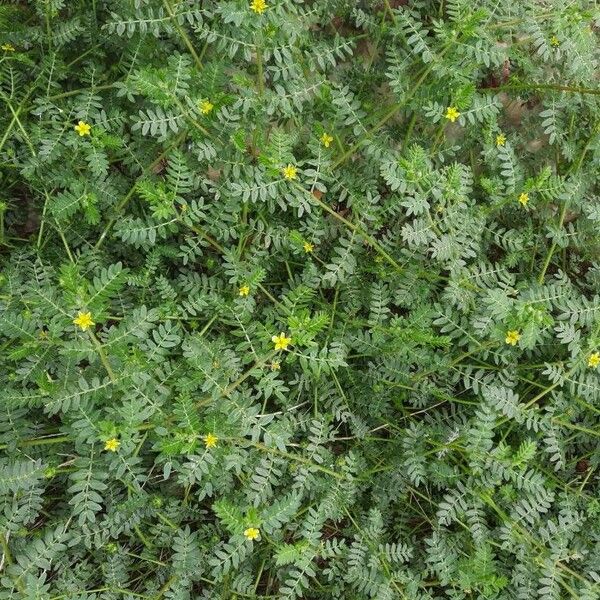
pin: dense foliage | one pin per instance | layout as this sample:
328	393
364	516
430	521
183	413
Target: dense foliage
299	299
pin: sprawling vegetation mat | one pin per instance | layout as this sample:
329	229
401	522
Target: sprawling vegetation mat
299	299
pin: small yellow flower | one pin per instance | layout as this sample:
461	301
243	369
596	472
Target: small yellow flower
308	247
500	139
244	290
594	360
512	337
452	114
83	128
275	365
524	198
210	440
206	106
8	47
326	140
251	533
258	6
554	41
112	445
83	321
290	172
281	341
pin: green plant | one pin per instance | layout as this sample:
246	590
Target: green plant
299	299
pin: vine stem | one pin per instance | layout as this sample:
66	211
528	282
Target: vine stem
231	387
102	355
18	121
566	203
543	86
64	240
130	193
183	34
44	441
358	230
382	561
362	233
223	251
6	555
15	116
295	457
260	75
388	115
41	231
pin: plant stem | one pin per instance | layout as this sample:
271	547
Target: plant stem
130	193
183	34
102	355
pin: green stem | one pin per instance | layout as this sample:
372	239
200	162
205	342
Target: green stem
44	441
358	230
39	239
389	114
130	193
64	240
295	457
5	550
102	355
543	86
97	88
16	120
260	76
563	212
182	34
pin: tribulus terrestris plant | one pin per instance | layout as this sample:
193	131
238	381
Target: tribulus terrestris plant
299	299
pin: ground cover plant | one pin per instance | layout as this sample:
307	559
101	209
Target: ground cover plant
299	299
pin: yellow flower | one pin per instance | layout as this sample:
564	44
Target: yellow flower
326	139
210	440
112	445
206	106
251	533
554	41
308	247
8	47
452	114
244	290
524	198
512	337
594	360
500	139
281	341
83	321
275	365
258	6
290	172
82	128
